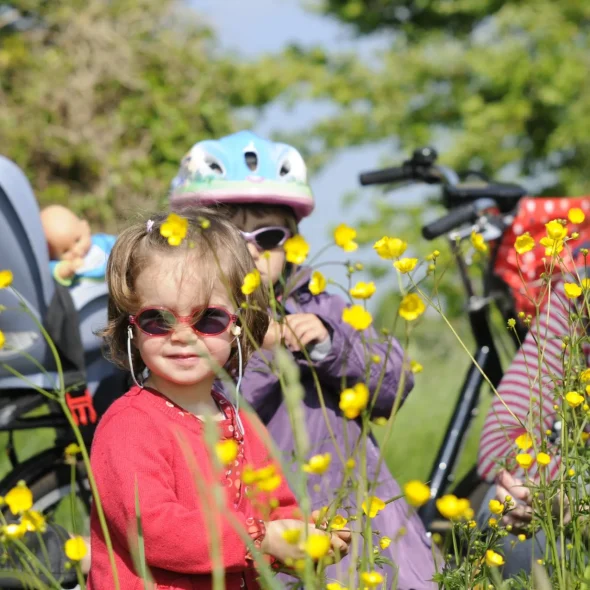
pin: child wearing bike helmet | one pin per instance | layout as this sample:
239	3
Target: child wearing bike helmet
173	329
262	187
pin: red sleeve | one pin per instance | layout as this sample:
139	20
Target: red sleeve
130	448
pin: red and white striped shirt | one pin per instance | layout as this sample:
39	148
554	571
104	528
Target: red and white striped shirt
521	400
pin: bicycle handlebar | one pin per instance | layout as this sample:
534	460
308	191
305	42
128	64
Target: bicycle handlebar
459	215
386	176
444	224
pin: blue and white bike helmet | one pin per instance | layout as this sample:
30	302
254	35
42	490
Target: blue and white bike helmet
242	168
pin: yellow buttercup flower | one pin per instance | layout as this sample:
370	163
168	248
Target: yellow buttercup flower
72	450
266	478
493	559
318	283
354	400
318	464
572	290
411	307
269	484
350	463
585	375
478	242
556	230
496	507
251	282
75	548
371	579
405	265
344	237
389	248
338	522
317	546
552	247
19	499
296	249
524	441
524	460
292	536
357	317
543	459
417	493
174	229
226	451
335	586
33	521
416	367
2	339
576	215
524	243
14	530
363	290
384	542
574	399
585	284
373	506
6	278
453	508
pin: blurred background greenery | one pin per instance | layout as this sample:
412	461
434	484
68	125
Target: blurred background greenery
99	100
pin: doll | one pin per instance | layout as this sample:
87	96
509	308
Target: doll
75	255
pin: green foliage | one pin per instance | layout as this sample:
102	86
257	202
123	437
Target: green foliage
491	82
100	100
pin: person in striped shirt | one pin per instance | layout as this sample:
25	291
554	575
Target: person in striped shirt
525	402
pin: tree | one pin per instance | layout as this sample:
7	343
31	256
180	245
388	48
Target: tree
498	86
493	83
100	100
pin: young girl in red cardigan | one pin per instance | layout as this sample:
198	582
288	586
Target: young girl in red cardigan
175	291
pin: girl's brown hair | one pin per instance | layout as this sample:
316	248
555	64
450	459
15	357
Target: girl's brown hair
216	248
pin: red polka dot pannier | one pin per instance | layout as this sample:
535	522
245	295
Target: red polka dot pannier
531	216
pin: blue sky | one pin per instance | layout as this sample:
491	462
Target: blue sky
249	28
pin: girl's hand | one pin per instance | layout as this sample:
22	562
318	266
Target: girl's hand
273	335
274	544
522	513
303	329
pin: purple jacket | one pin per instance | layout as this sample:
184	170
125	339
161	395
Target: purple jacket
411	552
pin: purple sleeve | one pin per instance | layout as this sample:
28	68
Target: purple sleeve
347	360
260	384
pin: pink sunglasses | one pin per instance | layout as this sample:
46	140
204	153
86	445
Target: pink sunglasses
267	238
160	321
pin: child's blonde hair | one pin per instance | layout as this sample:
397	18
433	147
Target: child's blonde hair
217	251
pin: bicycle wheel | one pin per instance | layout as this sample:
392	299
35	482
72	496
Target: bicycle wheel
63	497
62	501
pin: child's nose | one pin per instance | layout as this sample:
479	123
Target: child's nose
183	333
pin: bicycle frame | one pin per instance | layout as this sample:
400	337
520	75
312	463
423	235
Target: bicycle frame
467	204
488	363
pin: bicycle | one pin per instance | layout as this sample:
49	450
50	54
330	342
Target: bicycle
487	208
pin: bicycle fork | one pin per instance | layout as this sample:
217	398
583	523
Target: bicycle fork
487	361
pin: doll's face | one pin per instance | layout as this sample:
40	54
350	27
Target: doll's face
68	236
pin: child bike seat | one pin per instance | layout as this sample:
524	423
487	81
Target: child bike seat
23	250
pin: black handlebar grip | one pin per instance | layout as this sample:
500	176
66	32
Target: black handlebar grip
453	219
385	176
